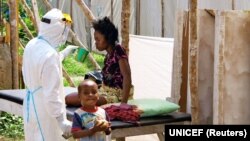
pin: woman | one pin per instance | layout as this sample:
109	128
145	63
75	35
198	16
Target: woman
116	86
116	71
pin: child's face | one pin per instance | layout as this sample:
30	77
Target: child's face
89	94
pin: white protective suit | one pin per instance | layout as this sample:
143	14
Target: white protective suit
44	111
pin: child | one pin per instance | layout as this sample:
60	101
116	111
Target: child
90	122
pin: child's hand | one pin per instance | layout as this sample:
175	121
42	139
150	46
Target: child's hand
101	125
108	130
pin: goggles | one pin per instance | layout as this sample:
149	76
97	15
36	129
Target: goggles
66	18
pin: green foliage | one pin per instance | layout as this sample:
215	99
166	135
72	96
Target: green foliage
78	69
11	126
75	68
22	34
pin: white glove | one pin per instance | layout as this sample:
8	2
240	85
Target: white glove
69	49
65	125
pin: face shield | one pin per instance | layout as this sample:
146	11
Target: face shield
55	27
67	21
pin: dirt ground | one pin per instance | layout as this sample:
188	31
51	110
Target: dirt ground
9	139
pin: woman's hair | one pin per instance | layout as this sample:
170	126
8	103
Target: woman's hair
108	29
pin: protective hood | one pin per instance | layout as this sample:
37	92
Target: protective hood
53	28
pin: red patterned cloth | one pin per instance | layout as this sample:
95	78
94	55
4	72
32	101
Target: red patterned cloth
124	112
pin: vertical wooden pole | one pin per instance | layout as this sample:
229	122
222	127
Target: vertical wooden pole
233	5
162	18
30	13
193	62
71	13
112	11
25	27
48	5
138	5
36	13
184	71
125	15
14	40
71	8
57	3
86	10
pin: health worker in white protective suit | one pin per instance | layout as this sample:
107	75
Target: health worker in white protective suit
44	110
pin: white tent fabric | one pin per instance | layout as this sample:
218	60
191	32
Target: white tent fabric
150	59
150	19
150	14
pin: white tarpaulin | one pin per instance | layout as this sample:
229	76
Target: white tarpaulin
151	66
150	16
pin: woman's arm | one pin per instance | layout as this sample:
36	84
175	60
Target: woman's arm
126	84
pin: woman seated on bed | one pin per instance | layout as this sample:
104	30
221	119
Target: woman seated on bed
117	85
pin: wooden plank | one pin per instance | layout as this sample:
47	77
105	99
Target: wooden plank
217	109
184	60
193	62
177	75
232	68
205	42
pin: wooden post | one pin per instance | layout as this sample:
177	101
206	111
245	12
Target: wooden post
7	36
233	5
162	18
193	62
20	59
36	13
138	12
71	9
67	77
112	11
30	13
14	40
86	10
125	15
184	71
48	5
